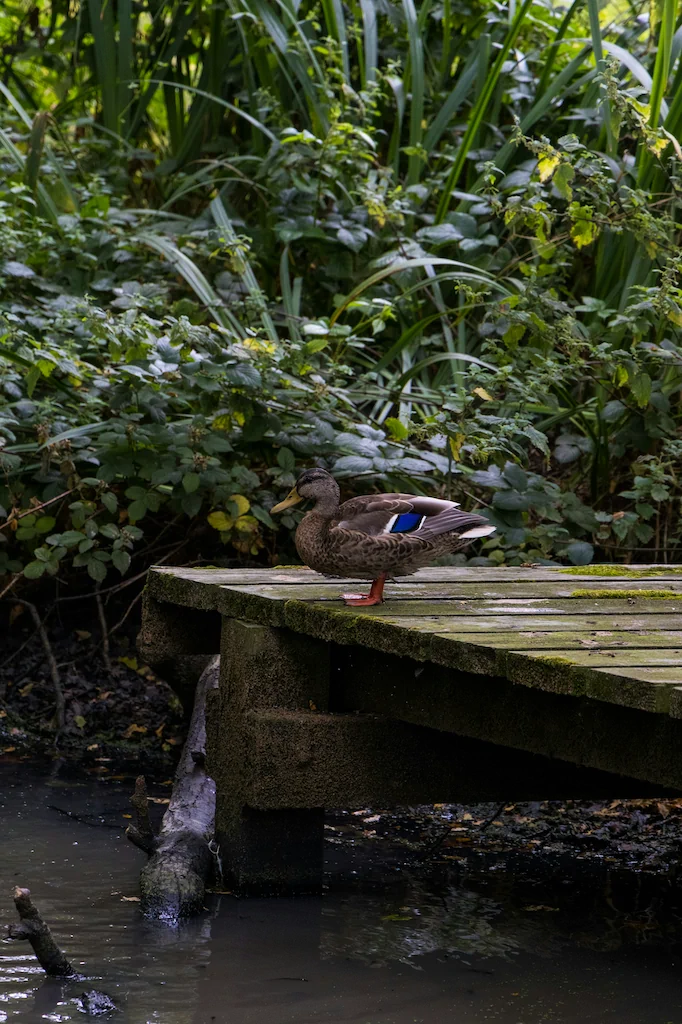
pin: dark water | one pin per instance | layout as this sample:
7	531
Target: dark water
451	945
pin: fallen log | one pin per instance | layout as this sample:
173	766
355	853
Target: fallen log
173	882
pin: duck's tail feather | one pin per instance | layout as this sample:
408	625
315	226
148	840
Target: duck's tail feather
467	525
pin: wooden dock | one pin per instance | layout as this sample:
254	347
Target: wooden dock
467	683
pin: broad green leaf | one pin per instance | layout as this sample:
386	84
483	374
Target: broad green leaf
191	481
640	387
121	561
34	570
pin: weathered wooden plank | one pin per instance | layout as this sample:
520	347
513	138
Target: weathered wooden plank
539	632
659	675
491	624
424	598
589	575
616	685
634	658
514	623
579	641
415	608
321	588
595	575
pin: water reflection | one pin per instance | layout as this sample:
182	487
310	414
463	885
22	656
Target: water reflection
417	947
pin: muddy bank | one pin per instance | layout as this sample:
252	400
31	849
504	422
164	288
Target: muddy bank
114	705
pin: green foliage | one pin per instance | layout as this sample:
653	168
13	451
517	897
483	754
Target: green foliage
437	249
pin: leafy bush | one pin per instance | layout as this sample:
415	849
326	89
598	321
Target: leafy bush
123	417
437	249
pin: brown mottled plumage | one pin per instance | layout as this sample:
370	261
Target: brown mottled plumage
377	535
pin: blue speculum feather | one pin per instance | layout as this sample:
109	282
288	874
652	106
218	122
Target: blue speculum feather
407	522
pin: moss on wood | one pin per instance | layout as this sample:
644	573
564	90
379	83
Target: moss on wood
621	570
620	595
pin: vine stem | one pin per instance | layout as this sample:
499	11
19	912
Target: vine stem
36	508
52	664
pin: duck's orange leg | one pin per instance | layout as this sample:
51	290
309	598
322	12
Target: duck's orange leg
375	596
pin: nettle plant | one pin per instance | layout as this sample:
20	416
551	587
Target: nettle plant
583	361
149	395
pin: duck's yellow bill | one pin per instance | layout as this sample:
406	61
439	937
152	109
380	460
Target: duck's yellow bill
292	498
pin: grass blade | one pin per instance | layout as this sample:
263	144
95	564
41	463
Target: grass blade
478	111
440	357
336	28
44	199
291	307
416	86
554	47
126	65
222	103
36	144
452	104
660	77
188	270
598	50
370	41
102	29
396	268
222	221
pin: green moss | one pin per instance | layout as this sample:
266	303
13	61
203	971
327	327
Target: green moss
621	570
552	659
615	595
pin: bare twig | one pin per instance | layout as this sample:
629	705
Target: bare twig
127	583
10	585
10	657
51	661
140	802
36	508
114	629
34	929
142	842
141	833
104	629
83	820
495	816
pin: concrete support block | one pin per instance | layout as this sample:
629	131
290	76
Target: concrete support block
263	668
178	644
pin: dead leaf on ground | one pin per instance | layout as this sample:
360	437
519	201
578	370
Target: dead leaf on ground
15	611
133	729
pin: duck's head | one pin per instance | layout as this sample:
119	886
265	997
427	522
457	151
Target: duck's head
315	484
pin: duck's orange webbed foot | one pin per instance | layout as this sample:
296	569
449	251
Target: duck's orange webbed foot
375	596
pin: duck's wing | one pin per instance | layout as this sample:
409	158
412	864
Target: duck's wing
427	518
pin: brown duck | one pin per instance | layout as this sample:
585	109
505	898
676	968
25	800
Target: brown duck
377	535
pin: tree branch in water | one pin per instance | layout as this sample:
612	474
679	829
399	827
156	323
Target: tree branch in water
33	928
173	882
141	833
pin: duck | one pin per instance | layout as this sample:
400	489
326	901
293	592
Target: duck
375	536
